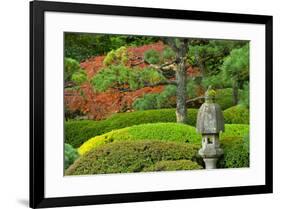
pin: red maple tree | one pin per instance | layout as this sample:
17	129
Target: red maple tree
98	106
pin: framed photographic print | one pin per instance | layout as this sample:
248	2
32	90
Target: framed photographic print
135	104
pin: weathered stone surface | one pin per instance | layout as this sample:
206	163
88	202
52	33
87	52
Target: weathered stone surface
210	123
210	119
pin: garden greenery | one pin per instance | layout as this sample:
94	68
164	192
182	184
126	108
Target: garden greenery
122	77
173	165
166	98
152	56
77	132
132	156
156	101
238	114
70	155
154	131
236	153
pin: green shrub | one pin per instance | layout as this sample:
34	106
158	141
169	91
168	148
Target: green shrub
77	132
118	56
246	141
224	97
245	97
123	76
130	156
147	102
156	101
217	81
236	153
168	53
173	165
152	56
236	115
70	155
235	130
153	131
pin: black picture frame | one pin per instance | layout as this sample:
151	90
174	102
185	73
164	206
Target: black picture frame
37	62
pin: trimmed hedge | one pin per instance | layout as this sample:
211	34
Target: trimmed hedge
235	131
174	165
160	131
130	156
70	155
77	132
236	153
236	115
153	131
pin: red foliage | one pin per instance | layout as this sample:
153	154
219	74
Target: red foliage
100	105
92	65
136	54
193	71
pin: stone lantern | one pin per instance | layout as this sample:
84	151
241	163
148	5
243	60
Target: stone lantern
210	123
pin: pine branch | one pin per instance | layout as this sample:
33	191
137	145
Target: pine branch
167	82
194	99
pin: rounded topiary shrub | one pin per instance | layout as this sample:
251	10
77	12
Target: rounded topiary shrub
235	130
237	115
70	155
130	156
77	132
236	153
173	165
154	131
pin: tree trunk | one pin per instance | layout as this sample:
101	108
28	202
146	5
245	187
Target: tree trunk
181	83
181	94
235	93
181	50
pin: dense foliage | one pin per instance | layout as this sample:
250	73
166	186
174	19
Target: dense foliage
154	131
165	99
237	114
236	153
224	98
236	65
160	131
244	96
128	81
122	77
73	71
131	156
152	56
116	57
81	46
235	130
209	54
173	165
70	155
77	132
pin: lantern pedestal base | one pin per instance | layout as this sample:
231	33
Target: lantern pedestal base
210	163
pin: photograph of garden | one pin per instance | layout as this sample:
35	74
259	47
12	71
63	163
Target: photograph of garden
147	104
